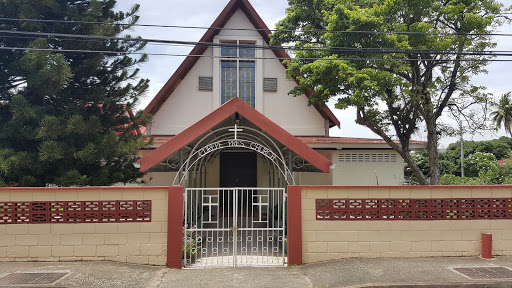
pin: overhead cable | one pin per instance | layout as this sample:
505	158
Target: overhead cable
256	29
255	58
248	45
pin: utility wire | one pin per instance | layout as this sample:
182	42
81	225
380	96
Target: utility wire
248	45
255	29
253	58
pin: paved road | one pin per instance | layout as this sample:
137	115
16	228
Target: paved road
394	272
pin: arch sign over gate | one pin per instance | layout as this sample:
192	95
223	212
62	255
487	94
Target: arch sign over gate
234	143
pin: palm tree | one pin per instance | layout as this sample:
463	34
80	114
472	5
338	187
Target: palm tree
504	113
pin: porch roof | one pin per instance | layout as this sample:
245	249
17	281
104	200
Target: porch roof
230	108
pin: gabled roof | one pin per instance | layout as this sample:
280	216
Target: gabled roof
235	105
192	58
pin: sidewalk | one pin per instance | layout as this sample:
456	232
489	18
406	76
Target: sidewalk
389	272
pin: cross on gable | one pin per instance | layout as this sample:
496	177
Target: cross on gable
236	129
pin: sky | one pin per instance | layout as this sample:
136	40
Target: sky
202	13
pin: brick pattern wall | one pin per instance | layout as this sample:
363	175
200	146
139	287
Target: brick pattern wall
136	242
324	240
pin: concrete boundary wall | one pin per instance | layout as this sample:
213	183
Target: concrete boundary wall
135	242
321	240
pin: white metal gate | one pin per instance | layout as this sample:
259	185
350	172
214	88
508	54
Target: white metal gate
232	227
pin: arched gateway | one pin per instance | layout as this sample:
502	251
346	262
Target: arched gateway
235	165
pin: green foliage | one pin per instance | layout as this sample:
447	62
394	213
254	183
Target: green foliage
500	148
498	174
480	163
477	162
66	117
421	159
412	84
192	241
456	180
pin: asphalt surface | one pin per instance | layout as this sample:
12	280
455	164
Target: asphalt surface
389	272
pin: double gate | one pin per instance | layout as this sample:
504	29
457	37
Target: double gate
232	227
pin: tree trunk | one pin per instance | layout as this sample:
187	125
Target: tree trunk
404	152
433	153
414	167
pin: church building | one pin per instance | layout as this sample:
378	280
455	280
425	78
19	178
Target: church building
225	119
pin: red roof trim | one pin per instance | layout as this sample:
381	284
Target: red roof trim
348	140
191	60
223	112
157	139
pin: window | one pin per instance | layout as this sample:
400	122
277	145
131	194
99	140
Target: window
238	69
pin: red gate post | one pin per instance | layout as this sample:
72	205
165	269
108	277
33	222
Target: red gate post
174	227
294	225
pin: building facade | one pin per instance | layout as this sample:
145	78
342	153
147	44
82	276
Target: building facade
225	119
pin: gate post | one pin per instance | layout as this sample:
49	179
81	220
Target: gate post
294	225
174	226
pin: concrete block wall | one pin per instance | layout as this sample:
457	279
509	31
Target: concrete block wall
325	240
141	242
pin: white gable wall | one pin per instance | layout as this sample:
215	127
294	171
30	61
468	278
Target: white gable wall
291	113
187	104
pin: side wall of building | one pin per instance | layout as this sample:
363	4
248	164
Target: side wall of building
367	167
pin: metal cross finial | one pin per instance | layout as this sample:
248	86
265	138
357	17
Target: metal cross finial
236	130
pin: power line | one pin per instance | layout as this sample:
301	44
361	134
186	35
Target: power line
254	58
255	29
248	45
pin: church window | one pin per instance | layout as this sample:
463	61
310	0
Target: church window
238	69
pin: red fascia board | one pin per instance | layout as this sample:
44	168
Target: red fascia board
191	60
223	112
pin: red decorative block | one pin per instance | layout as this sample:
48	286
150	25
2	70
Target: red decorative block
109	205
6	218
125	205
75	212
142	216
413	209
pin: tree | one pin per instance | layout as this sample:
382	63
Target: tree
67	118
400	63
504	113
500	148
479	161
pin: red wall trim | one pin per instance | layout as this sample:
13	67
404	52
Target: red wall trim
413	187
294	225
174	227
91	188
